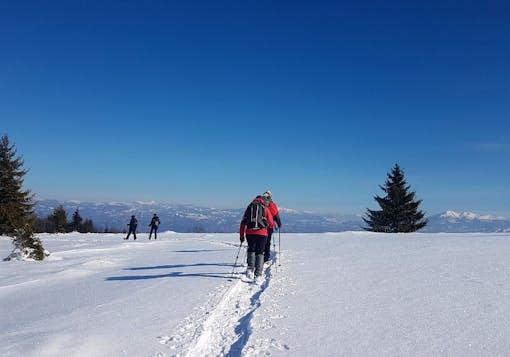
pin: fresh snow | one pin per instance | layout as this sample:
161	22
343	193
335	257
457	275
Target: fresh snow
352	294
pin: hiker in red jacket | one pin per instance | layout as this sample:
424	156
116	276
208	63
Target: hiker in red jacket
256	220
277	223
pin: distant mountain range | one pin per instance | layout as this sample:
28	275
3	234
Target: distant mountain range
189	218
463	222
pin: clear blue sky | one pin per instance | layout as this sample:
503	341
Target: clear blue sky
212	102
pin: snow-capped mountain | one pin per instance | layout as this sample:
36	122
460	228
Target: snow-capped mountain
189	218
453	216
451	221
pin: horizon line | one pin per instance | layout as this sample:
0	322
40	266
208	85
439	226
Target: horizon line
359	214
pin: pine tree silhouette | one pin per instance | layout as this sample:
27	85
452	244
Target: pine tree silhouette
399	207
59	219
76	222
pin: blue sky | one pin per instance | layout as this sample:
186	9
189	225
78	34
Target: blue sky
212	102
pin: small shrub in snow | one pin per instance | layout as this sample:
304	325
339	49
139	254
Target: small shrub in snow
27	246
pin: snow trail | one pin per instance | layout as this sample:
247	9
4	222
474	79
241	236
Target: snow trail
223	326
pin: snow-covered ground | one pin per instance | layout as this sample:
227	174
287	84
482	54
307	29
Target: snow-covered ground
352	294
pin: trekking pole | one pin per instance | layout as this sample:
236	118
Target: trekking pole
279	247
237	257
274	250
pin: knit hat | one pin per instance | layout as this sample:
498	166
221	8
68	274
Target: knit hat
268	194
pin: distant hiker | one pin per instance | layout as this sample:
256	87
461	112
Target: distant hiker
273	209
256	220
133	223
155	222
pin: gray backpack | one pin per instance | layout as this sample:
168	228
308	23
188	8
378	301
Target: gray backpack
255	216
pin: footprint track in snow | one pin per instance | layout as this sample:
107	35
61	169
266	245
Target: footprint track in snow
222	327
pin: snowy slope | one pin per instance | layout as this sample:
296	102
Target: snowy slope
353	293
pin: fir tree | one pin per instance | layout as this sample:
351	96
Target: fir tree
88	226
15	203
76	222
43	225
16	206
399	207
59	219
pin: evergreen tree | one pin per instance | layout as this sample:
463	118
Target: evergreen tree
88	226
43	225
16	206
59	220
76	222
399	207
15	203
49	224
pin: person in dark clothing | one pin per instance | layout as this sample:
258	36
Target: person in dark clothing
155	222
253	228
277	223
133	223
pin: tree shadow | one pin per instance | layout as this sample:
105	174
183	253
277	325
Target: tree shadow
175	274
181	266
197	250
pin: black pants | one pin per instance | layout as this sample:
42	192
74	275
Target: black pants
155	230
256	243
131	230
267	249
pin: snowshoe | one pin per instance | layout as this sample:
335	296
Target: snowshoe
249	274
259	280
247	280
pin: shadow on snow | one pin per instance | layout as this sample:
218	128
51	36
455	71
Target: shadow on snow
243	328
176	274
181	266
197	250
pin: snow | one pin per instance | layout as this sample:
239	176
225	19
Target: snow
289	210
471	216
487	217
146	202
352	293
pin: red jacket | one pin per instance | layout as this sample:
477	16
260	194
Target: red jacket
258	232
273	209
